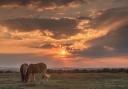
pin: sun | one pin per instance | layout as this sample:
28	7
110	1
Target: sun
63	53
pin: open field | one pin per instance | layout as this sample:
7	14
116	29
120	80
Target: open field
69	81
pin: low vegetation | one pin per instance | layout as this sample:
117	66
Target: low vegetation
68	81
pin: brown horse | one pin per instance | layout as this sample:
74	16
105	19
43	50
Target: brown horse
23	71
37	68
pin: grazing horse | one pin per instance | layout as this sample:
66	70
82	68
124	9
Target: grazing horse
37	68
23	71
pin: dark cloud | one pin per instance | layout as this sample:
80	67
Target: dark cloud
39	3
116	39
115	42
47	45
84	17
61	28
120	1
110	16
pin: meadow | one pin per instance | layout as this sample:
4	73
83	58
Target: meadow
68	81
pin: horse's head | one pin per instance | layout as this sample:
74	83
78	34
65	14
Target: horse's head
46	77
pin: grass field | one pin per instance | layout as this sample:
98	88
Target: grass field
68	81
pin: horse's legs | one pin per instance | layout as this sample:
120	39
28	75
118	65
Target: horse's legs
29	77
42	76
33	77
23	78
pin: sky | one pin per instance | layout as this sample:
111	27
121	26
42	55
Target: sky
64	33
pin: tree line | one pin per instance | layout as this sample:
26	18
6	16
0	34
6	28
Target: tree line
103	70
85	70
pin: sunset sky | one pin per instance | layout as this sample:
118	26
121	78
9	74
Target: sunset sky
64	33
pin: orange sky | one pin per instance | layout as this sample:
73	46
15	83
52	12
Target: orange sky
72	33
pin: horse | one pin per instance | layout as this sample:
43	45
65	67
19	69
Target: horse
37	68
23	71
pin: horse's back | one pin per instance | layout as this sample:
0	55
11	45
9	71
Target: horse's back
37	68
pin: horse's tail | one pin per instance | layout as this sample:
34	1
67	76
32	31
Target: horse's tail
27	75
21	73
29	71
23	70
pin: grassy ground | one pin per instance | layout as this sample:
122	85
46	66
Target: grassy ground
69	81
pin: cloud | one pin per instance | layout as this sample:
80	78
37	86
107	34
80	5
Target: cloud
111	16
81	36
115	39
43	33
40	4
58	28
67	33
120	1
48	45
114	43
